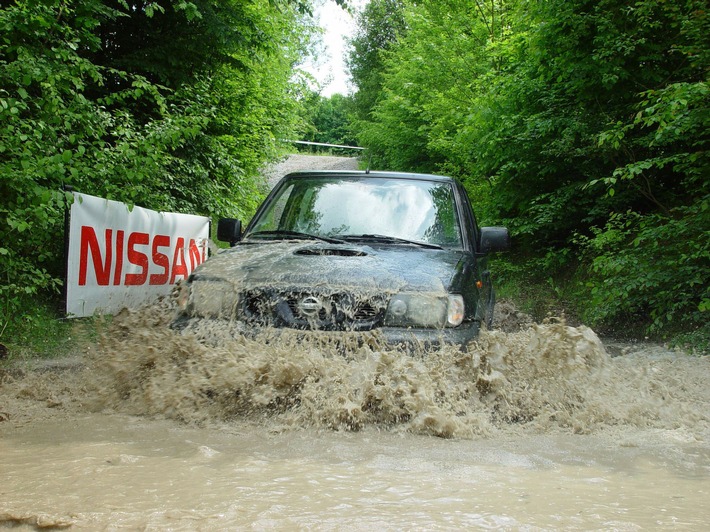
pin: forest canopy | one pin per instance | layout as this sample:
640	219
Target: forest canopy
584	126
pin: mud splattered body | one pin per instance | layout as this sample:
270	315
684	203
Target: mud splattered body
538	428
353	251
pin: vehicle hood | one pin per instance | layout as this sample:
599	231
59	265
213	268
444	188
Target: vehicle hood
390	268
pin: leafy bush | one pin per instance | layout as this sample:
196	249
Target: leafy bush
651	268
181	123
568	111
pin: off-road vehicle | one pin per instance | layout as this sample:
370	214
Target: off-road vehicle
353	251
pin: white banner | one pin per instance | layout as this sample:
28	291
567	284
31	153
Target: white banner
119	258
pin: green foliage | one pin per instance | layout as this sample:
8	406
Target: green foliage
378	26
672	130
38	331
696	341
329	120
523	281
651	268
172	105
430	77
555	115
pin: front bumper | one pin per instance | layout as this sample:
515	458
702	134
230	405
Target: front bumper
461	335
212	329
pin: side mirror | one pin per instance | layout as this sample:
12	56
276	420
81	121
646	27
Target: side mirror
229	230
494	239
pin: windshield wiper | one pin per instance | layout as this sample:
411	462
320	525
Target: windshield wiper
295	235
390	240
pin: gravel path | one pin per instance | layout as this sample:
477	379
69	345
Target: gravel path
295	163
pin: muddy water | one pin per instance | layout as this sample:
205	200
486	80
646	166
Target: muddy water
535	429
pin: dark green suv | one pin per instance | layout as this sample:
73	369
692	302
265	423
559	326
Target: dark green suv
353	251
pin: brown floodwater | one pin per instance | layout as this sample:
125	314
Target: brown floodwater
537	429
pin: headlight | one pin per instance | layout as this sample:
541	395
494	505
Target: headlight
455	311
212	299
424	310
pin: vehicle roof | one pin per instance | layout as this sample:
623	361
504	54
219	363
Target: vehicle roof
367	174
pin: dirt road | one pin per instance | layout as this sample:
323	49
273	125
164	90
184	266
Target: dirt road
295	163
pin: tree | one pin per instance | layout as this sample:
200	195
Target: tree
170	104
379	26
430	78
330	120
538	107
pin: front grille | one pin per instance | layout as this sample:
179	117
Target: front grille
365	311
312	310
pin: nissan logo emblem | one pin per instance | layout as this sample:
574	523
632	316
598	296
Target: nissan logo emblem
310	306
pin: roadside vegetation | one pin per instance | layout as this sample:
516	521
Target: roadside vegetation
582	126
173	105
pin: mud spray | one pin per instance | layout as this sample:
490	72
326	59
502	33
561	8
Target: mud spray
538	428
547	376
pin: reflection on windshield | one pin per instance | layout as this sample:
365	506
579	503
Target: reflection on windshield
416	210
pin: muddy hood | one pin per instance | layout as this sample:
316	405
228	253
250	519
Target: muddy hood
297	264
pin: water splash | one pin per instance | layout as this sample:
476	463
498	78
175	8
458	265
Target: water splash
545	377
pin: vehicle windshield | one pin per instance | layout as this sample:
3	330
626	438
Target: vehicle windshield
367	208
